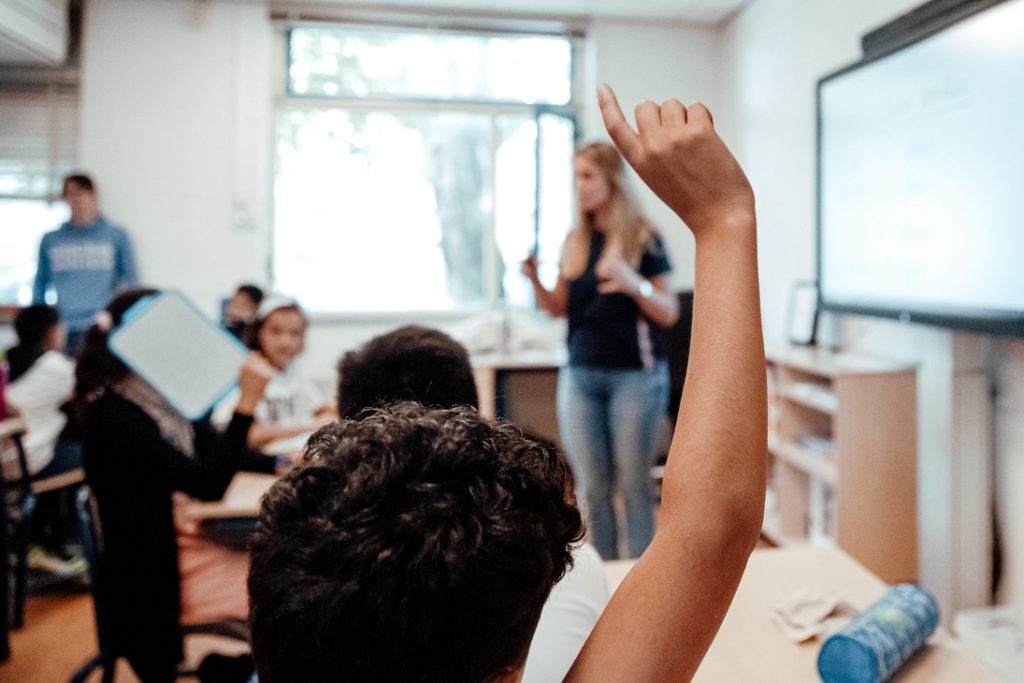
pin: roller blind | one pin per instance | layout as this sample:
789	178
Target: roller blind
38	141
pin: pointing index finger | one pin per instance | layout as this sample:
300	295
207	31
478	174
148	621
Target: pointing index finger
624	137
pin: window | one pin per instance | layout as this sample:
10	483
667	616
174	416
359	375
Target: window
415	170
38	129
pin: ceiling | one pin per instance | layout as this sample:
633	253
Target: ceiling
15	47
33	32
690	11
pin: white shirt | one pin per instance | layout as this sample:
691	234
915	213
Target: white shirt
38	395
568	617
291	399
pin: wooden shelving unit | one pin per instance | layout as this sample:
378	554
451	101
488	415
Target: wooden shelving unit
843	446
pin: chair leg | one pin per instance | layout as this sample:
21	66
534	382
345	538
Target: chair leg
108	664
21	571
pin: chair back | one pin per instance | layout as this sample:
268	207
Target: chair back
91	534
11	432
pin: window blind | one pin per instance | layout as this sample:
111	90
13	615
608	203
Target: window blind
38	140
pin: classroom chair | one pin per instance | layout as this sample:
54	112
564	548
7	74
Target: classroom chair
20	505
91	534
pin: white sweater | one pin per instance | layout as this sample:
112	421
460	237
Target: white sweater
37	396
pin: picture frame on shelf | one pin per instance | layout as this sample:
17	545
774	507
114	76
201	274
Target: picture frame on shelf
802	313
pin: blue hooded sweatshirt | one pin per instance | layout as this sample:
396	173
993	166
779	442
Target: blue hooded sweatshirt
87	265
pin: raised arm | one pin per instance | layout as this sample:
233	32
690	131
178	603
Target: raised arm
664	616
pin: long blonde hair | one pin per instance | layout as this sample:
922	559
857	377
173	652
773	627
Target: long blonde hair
628	230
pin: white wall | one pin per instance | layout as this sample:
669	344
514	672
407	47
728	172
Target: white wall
177	128
1008	365
774	53
644	60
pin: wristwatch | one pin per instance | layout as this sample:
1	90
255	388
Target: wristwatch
645	288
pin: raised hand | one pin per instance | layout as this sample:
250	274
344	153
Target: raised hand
256	371
678	154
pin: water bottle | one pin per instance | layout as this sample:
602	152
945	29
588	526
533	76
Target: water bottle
874	645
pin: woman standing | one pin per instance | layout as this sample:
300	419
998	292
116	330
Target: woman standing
613	285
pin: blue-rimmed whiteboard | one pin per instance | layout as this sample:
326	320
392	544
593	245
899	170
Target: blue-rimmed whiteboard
189	359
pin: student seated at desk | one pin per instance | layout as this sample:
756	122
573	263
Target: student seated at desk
240	310
41	382
420	544
293	407
427	366
138	452
42	378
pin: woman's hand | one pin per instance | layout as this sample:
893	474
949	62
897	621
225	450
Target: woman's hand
553	301
614	275
529	267
658	303
256	371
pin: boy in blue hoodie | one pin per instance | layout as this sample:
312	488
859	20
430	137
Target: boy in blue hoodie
86	260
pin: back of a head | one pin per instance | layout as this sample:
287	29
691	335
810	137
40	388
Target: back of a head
33	323
411	363
414	544
97	367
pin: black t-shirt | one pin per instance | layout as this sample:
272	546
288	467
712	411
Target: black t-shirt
608	330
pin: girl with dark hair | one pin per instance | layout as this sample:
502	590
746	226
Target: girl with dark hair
43	379
41	382
293	406
241	308
139	453
613	286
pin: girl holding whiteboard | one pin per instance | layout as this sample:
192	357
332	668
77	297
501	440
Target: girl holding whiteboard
140	454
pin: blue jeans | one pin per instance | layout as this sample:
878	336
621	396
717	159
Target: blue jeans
608	419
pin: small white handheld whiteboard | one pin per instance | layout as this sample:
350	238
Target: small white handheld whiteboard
182	354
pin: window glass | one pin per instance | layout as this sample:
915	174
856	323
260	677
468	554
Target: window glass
24	222
360	62
407	203
381	211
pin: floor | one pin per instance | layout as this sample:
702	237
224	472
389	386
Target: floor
59	637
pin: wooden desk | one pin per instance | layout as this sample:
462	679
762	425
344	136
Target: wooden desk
242	499
486	368
751	648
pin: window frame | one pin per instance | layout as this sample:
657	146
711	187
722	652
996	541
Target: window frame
286	100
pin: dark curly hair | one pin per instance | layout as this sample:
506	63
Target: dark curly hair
414	544
411	363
